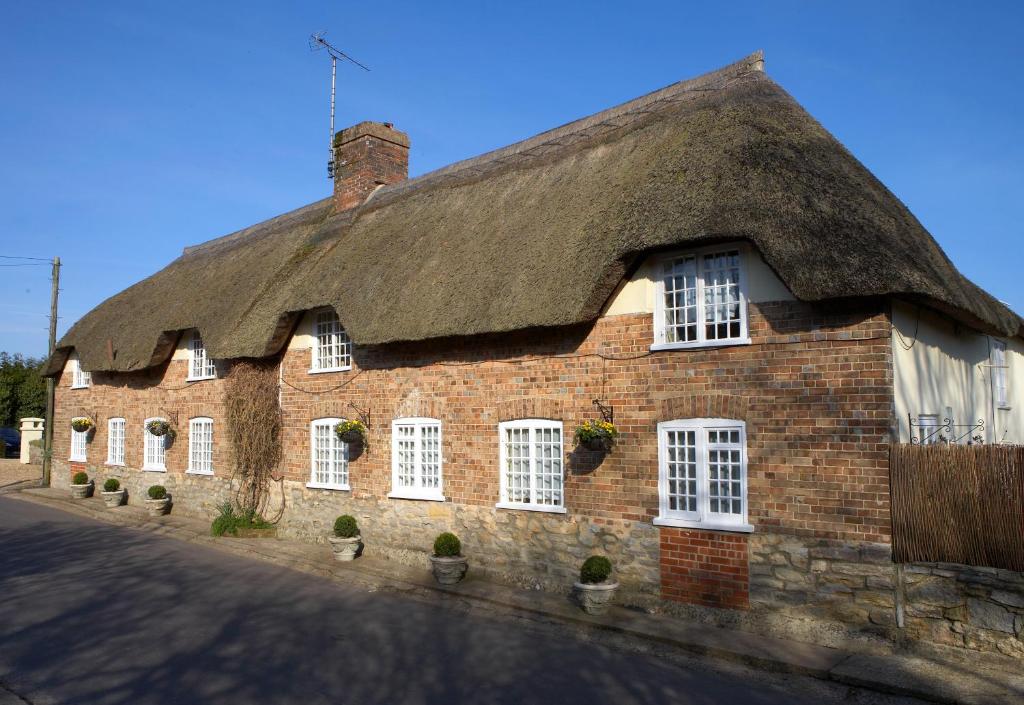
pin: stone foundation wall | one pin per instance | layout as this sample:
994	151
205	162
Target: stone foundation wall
858	585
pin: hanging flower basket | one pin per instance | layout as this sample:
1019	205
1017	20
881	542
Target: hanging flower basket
159	427
353	432
81	424
596	436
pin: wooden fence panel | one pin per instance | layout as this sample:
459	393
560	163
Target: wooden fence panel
958	504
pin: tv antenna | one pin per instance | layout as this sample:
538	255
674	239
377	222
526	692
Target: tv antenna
316	43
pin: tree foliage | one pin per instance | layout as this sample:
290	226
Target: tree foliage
22	388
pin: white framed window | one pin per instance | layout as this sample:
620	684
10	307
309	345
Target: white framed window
1000	391
200	366
328	456
332	349
115	441
701	299
531	465
80	379
79	446
702	474
416	459
200	445
154	449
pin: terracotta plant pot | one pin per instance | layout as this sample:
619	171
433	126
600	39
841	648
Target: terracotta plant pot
158	507
595	598
114	499
344	549
449	570
81	491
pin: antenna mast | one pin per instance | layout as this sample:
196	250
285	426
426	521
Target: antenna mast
316	43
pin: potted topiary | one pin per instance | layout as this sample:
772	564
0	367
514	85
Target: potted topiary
351	432
594	592
345	542
447	562
597	436
81	485
159	501
113	494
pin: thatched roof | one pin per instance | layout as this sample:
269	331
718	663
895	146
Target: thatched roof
539	234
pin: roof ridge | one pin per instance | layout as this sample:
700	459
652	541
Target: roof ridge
582	128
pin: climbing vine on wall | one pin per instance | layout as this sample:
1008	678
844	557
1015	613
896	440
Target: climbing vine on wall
254	430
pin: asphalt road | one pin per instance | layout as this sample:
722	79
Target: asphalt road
101	614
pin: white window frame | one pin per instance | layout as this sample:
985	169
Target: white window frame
418	490
159	442
80	379
532	425
200	366
661	329
703	517
115	441
319	318
999	362
320	484
204	466
79	446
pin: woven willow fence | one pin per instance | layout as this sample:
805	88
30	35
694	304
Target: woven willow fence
958	504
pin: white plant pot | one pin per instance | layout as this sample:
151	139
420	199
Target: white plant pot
449	570
344	549
81	491
595	598
158	507
113	499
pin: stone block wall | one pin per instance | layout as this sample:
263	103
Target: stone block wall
858	585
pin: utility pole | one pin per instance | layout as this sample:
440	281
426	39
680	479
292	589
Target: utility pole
51	384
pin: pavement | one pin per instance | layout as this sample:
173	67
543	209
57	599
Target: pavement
530	642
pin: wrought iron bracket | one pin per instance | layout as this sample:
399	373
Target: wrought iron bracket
947	432
607	412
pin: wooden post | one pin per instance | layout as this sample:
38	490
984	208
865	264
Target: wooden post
51	384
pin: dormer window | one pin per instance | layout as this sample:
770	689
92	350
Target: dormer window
332	349
701	300
80	379
200	366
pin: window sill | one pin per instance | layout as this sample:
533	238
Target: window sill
708	525
424	496
325	486
200	379
531	507
208	473
114	465
708	344
77	460
330	369
79	386
154	468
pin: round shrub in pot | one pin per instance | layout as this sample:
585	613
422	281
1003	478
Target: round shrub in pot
447	562
346	539
81	485
113	494
159	502
595	591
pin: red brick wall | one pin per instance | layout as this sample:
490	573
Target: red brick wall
363	163
814	388
708	568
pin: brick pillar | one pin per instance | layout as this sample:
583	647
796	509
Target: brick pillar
366	156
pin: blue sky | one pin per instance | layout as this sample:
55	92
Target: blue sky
129	130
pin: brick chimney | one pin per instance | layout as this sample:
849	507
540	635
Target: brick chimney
365	156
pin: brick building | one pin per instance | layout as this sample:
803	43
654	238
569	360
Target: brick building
705	264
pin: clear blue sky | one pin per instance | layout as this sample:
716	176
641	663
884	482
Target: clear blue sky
131	129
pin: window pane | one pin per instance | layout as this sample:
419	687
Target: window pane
680	279
430	456
722	295
682	471
406	450
333	348
725	472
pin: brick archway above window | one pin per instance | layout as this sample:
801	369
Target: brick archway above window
705	406
419	405
531	408
329	409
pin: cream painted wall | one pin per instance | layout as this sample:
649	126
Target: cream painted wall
941	367
636	294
